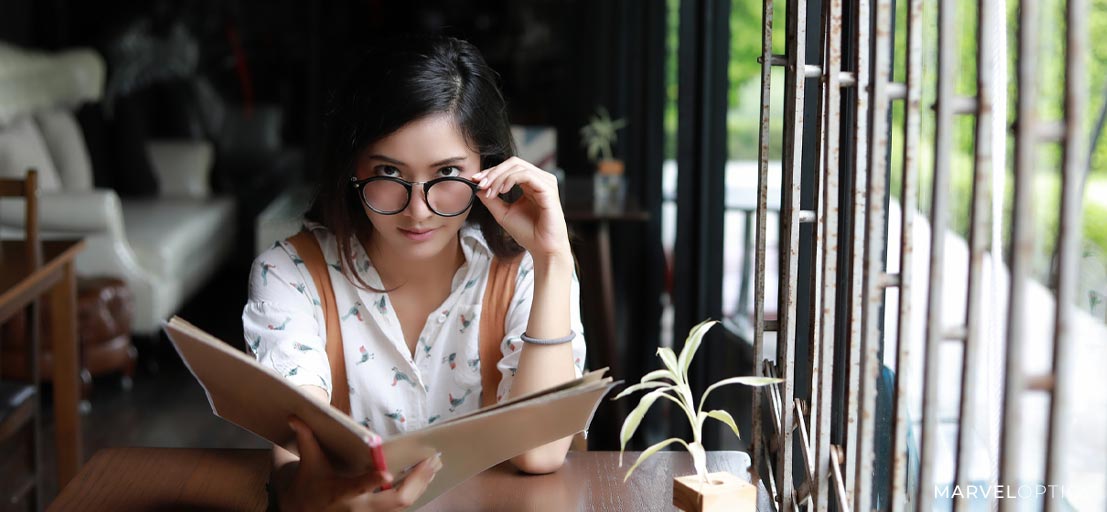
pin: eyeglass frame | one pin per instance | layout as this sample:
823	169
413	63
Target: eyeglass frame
359	186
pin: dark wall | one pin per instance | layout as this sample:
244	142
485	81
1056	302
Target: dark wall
557	58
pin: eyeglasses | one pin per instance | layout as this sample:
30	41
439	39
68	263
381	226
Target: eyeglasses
448	196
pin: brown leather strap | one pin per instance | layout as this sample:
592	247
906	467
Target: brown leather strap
493	319
308	248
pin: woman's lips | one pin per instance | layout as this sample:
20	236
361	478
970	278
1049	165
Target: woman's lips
418	235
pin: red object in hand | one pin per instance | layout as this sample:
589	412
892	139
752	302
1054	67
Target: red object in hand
378	458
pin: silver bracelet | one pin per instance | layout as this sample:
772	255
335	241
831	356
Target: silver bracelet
549	341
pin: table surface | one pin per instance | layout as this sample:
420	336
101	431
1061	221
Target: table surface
178	478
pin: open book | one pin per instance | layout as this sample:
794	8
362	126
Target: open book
259	400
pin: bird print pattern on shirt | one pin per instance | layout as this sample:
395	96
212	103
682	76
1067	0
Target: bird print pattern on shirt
508	345
425	346
438	383
398	375
365	355
281	326
397	416
456	402
354	311
302	288
265	268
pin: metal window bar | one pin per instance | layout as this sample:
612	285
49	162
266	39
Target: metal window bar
866	273
875	228
860	208
794	78
908	206
948	38
1022	241
1074	164
978	243
762	225
823	354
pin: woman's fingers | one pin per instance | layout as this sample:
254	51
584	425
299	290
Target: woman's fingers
410	489
311	456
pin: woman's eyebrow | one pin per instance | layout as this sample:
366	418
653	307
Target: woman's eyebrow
392	161
451	160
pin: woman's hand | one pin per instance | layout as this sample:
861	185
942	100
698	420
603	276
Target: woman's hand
535	221
313	483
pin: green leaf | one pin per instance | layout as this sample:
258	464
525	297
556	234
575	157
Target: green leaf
640	386
635	417
660	374
669	358
692	343
749	381
650	451
725	417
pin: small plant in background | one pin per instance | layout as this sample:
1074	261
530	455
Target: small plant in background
600	134
671	383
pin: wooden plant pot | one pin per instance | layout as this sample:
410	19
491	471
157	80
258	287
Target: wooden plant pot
610	167
725	492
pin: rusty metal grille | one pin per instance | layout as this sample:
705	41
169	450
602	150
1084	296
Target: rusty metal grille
834	434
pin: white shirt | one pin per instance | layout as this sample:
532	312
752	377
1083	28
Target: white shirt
390	391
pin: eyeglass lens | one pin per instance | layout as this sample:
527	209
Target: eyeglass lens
447	197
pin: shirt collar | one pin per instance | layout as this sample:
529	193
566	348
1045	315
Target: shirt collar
473	246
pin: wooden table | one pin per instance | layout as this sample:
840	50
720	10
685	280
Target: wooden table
57	280
182	478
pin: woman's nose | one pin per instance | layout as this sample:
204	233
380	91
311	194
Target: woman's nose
417	206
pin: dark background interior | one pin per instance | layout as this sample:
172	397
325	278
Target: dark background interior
558	61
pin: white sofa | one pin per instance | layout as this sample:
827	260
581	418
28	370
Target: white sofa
166	247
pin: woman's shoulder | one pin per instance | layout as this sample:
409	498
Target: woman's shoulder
286	248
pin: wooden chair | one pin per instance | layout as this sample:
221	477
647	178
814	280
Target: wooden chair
20	418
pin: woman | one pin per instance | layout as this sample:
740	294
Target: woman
410	213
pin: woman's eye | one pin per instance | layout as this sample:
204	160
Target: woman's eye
450	171
387	170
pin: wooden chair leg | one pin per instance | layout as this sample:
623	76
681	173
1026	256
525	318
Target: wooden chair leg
33	370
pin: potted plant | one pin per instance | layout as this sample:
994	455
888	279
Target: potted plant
597	137
703	491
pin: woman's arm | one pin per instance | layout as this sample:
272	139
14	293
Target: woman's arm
544	366
537	223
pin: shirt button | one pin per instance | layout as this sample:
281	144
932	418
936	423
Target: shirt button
441	318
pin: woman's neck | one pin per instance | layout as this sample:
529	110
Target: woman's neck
397	269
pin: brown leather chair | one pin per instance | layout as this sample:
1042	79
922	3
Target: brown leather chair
105	308
20	420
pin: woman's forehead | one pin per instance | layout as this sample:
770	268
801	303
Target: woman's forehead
422	142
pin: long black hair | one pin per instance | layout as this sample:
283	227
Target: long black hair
398	81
